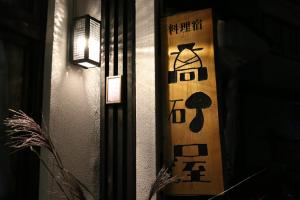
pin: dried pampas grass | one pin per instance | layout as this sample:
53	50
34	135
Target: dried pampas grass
24	132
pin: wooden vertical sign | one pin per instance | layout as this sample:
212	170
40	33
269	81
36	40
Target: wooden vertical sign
194	139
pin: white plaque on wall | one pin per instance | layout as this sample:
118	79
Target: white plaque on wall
113	89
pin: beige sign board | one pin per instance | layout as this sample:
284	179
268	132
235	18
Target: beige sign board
194	137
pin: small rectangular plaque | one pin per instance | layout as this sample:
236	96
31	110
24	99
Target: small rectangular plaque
113	89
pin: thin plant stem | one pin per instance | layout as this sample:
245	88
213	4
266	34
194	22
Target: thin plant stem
239	183
50	172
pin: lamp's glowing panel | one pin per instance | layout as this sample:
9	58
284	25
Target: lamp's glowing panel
79	40
87	65
94	41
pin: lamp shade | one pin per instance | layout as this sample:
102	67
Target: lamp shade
86	42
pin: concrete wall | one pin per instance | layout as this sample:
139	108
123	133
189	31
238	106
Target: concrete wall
145	98
71	105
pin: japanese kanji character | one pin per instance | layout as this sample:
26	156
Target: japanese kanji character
185	27
173	28
187	64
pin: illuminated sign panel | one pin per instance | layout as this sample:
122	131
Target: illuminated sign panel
194	136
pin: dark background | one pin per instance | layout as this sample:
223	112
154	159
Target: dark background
258	63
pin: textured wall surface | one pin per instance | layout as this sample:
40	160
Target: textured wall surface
71	105
145	98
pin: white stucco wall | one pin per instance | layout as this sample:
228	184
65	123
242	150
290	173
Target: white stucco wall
71	104
72	100
145	98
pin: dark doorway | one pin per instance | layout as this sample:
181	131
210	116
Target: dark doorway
22	36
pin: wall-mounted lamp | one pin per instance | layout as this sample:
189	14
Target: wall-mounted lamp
86	42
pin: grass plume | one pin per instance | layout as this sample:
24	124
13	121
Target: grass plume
163	179
23	132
